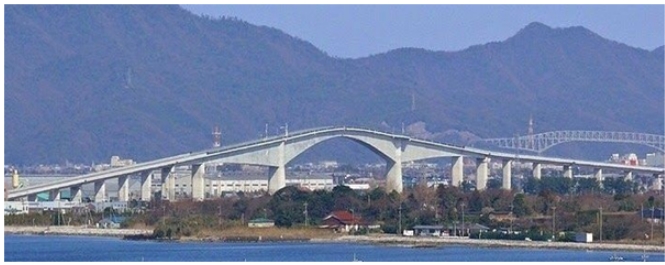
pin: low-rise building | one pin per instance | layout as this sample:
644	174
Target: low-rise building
341	221
429	230
111	223
261	222
16	207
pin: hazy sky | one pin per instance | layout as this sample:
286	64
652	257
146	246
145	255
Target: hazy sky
351	31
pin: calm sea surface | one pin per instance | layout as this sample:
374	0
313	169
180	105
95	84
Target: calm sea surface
83	248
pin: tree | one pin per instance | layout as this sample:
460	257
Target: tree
587	185
286	206
520	208
494	183
532	186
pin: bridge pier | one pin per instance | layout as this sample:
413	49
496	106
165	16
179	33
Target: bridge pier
658	182
123	188
54	195
168	183
537	170
567	171
598	174
628	176
457	163
394	168
198	172
394	176
481	173
277	175
100	191
507	174
76	194
146	183
276	179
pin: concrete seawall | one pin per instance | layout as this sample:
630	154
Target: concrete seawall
74	230
416	241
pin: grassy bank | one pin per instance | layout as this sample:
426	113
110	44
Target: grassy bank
243	233
440	241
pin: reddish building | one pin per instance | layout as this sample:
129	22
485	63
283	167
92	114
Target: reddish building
342	221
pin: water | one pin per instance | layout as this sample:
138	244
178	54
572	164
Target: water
84	248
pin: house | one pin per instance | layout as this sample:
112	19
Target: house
16	207
113	222
466	229
261	222
502	216
341	221
652	214
429	230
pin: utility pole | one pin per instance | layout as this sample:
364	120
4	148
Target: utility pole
511	218
400	218
601	224
652	220
266	135
306	216
463	220
554	222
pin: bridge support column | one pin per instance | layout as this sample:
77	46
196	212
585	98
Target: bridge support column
629	176
123	188
568	171
146	183
394	176
481	173
198	171
457	163
276	179
507	174
536	170
277	175
100	191
76	194
394	168
658	182
54	195
598	174
166	183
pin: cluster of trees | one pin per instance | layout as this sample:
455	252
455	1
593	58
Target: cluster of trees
562	186
291	206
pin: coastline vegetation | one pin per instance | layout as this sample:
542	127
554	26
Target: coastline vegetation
549	204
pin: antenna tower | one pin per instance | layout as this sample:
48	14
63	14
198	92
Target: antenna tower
530	132
216	137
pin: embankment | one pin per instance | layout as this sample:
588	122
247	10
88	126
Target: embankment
74	230
429	241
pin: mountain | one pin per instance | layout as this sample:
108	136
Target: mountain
84	82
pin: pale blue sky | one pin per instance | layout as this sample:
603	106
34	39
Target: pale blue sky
351	31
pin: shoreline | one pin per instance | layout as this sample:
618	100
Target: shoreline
442	241
74	230
376	239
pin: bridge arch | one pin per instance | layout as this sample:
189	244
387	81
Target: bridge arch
543	141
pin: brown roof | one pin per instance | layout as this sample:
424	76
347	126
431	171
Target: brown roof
343	216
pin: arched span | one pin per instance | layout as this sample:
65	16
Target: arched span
389	147
543	141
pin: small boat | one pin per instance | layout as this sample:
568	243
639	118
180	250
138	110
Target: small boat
356	259
616	257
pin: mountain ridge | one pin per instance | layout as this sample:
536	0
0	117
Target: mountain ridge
149	81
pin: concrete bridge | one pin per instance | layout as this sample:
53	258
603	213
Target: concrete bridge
277	152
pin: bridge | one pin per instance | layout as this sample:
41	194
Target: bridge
539	143
277	152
